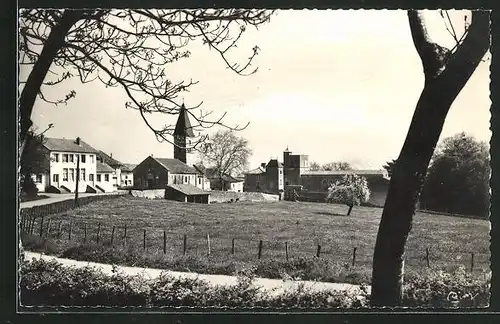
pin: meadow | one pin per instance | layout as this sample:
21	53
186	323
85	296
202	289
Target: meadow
436	242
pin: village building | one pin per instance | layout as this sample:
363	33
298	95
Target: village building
159	173
275	177
187	193
214	182
57	170
127	175
122	176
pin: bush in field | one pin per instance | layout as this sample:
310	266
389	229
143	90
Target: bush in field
352	190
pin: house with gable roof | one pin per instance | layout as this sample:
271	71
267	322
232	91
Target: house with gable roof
57	170
158	173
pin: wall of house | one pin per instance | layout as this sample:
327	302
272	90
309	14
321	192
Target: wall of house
255	182
126	179
174	178
41	181
117	178
236	186
203	183
57	167
105	183
274	179
149	174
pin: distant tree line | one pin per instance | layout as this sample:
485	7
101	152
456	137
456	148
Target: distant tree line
331	166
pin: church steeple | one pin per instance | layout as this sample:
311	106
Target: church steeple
183	130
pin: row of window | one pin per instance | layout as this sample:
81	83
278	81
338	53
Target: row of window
73	157
69	175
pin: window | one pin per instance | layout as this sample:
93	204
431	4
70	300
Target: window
55	178
71	158
199	181
91	158
91	177
106	177
38	178
65	157
71	174
98	178
281	171
83	158
82	173
65	171
56	157
185	179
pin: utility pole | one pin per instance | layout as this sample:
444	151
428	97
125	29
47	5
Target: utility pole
77	178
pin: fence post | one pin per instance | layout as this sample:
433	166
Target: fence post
164	242
48	228
33	225
125	236
232	246
318	251
260	249
286	251
70	229
112	235
208	243
472	262
354	256
144	240
84	232
184	248
98	232
41	227
427	257
59	230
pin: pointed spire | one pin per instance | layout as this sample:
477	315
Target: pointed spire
183	126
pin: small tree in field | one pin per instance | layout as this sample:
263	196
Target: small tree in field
351	190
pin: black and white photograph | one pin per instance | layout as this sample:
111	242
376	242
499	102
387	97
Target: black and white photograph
251	158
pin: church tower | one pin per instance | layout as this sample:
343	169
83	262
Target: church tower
182	134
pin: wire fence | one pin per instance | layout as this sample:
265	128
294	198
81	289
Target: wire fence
156	240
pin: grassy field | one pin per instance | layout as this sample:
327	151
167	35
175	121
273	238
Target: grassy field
303	225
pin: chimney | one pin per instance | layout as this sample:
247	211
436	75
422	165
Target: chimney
41	138
77	141
263	165
111	154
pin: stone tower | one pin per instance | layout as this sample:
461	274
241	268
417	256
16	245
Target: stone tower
182	134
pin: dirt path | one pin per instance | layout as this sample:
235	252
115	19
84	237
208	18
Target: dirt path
272	285
59	197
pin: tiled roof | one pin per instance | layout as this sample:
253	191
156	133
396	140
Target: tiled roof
188	189
183	126
67	145
127	167
274	163
103	167
259	170
109	160
176	166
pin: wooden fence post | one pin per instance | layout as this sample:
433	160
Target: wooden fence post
59	230
208	244
125	236
260	249
112	235
70	229
98	232
48	228
427	257
286	251
472	262
232	246
184	248
144	240
354	256
33	219
318	251
164	242
41	227
84	232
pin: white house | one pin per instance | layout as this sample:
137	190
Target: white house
127	175
58	169
104	177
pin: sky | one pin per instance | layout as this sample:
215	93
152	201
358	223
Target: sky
334	85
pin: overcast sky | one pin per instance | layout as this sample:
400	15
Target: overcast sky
335	85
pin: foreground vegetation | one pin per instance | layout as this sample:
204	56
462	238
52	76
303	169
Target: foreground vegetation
301	225
48	283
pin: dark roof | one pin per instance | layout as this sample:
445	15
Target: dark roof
109	160
103	167
128	167
188	189
67	145
274	163
183	126
176	166
259	170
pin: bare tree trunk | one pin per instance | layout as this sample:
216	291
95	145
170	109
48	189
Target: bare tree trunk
54	43
445	76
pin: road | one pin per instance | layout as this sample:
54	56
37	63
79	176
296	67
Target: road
273	286
54	197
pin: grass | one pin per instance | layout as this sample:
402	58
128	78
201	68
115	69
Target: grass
303	225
